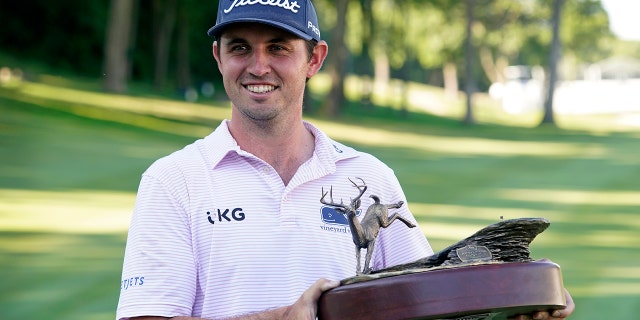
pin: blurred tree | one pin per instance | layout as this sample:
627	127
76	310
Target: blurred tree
51	34
412	39
502	30
398	35
173	50
627	49
469	54
133	36
553	62
520	32
359	41
338	55
437	36
183	60
195	18
164	14
116	65
71	36
585	35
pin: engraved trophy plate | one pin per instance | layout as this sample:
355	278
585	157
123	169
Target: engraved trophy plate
471	254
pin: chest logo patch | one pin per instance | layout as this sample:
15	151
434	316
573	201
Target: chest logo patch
226	215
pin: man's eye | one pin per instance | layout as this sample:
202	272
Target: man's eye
278	48
239	48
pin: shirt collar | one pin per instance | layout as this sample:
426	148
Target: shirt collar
220	143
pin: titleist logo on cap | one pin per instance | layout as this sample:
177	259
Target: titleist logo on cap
285	4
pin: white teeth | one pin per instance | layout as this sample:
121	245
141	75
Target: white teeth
260	88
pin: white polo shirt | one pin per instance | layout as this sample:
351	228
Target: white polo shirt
216	233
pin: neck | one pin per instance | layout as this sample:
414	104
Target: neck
285	148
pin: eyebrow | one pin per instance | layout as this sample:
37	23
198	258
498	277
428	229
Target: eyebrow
233	41
241	40
283	38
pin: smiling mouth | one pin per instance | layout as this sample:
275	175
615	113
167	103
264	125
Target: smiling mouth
260	88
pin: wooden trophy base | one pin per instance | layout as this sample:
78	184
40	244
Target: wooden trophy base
490	291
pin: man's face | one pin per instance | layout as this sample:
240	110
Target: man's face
264	69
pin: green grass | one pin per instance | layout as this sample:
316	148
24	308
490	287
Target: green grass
70	161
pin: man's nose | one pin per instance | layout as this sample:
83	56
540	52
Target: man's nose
260	64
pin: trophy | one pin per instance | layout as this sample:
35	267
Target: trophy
487	276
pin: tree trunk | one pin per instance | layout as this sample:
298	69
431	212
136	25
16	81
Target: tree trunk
488	65
450	78
381	71
553	63
470	85
182	52
337	68
116	47
133	38
165	13
405	86
365	66
493	68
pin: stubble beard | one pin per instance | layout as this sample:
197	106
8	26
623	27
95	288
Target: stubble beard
264	119
272	116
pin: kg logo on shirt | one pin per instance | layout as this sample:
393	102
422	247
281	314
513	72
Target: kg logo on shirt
225	215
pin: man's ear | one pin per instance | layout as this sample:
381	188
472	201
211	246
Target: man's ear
317	58
216	52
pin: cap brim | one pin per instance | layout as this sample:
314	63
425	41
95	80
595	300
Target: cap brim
215	30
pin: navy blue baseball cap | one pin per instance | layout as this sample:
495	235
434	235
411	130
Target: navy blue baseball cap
297	18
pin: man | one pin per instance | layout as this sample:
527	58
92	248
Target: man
232	226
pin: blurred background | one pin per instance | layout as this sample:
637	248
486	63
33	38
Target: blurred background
484	108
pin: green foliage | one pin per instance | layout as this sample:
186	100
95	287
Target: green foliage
585	31
65	34
416	37
520	30
627	48
437	35
69	35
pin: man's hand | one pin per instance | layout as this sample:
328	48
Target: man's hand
306	307
554	315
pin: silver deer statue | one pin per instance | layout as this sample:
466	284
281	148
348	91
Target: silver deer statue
366	230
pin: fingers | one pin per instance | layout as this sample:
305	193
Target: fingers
561	314
552	315
306	306
312	294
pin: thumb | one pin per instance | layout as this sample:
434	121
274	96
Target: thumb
320	286
313	293
328	284
306	306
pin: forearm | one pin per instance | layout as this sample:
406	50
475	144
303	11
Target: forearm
272	314
305	308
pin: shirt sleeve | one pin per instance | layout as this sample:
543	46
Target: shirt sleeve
159	273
